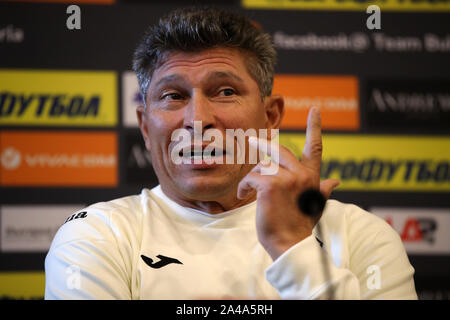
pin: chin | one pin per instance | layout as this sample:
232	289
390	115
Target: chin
205	189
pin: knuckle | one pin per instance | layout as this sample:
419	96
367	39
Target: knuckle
317	147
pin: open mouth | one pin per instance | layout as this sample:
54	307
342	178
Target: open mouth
204	154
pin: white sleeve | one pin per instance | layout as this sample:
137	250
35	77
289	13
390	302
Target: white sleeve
378	266
298	274
86	261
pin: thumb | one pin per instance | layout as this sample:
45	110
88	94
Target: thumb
327	186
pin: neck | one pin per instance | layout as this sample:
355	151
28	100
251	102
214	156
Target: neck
219	205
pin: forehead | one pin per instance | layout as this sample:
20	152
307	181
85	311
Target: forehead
202	62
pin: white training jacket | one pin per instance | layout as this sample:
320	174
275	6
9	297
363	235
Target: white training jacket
149	247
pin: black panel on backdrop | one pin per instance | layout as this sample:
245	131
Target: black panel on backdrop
138	166
409	105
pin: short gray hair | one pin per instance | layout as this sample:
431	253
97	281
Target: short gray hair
195	29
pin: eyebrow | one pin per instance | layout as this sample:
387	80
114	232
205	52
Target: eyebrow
223	75
211	76
168	79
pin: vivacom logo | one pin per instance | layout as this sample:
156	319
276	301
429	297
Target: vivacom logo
11	158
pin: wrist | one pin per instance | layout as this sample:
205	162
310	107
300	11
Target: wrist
275	247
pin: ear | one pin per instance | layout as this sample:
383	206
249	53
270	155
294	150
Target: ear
274	108
140	112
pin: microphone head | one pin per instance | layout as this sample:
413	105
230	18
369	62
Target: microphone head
311	202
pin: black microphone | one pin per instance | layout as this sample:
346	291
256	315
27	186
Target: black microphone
311	202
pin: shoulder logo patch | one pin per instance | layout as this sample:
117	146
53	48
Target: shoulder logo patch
78	215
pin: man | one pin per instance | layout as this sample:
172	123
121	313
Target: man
222	230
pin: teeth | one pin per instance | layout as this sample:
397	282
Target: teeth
200	155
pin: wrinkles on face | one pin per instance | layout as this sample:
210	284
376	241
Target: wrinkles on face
192	60
211	86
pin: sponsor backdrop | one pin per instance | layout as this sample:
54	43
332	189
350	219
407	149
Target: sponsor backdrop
69	135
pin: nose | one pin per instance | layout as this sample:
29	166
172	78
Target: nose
198	109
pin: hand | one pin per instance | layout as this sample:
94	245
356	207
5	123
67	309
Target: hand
279	222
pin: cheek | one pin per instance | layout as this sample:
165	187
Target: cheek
160	128
161	124
248	116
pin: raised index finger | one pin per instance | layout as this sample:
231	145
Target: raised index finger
312	151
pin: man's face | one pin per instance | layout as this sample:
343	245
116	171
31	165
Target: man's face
212	86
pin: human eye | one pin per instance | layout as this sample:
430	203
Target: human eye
227	92
171	96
